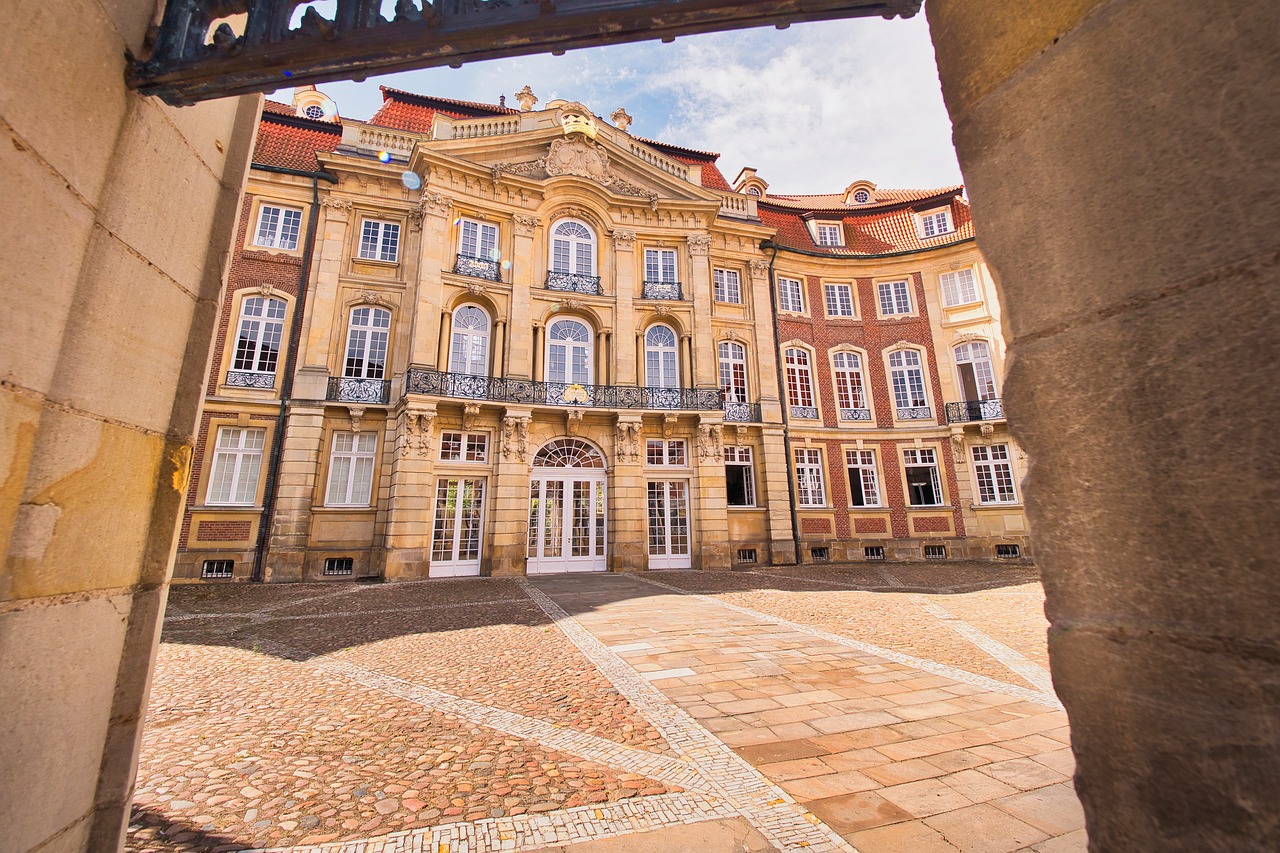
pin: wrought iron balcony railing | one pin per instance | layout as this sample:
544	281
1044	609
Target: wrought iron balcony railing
975	410
573	282
250	379
915	413
743	413
805	412
423	380
478	267
343	389
855	414
661	290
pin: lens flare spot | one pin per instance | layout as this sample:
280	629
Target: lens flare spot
288	73
457	221
328	109
495	255
384	156
506	265
411	180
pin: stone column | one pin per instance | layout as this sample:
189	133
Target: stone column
299	466
704	366
498	355
509	497
434	211
773	487
764	347
446	335
627	371
526	272
711	522
628	518
410	507
322	301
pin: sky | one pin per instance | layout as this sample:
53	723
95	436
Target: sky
812	108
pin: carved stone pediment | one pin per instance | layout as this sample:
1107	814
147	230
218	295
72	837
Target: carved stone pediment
577	157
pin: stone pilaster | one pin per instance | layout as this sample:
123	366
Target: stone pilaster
509	497
299	465
434	210
410	504
711	521
626	370
698	287
771	471
628	518
526	271
766	353
322	302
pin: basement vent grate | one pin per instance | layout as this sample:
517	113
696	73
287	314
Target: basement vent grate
338	565
935	552
747	555
217	568
820	555
873	552
1008	552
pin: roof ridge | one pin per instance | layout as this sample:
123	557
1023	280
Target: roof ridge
475	105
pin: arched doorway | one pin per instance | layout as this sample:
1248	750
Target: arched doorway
567	509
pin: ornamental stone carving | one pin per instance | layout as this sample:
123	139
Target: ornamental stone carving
699	244
475	288
335	203
355	413
573	421
624	241
710	441
417	432
515	439
759	268
526	99
628	441
265	288
620	119
370	297
577	157
435	204
669	421
470	415
525	224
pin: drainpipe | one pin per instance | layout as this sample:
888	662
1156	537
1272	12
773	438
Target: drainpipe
290	361
782	393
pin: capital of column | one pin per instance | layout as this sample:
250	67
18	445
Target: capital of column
699	244
434	204
623	240
525	224
759	268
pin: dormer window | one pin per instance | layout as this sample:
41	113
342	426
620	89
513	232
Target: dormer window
860	192
861	196
828	234
755	191
933	223
313	111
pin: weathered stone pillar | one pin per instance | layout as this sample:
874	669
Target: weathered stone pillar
1143	349
525	270
322	301
764	367
704	366
299	465
771	468
711	545
410	506
628	519
430	340
509	497
627	370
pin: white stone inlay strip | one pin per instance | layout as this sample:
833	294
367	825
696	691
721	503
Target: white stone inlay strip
668	673
630	647
1048	699
771	810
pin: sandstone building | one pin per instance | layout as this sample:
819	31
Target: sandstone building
462	339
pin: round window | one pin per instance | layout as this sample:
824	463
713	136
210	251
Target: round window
313	111
861	197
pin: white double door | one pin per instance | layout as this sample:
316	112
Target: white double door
458	527
668	505
567	522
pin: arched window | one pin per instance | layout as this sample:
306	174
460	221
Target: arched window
258	340
469	348
851	395
800	383
906	375
661	365
367	343
568	453
733	372
573	248
977	379
569	352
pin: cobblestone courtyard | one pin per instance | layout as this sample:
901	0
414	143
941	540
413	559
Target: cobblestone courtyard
904	707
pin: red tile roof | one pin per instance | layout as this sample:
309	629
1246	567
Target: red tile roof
269	106
290	142
885	229
835	201
402	110
712	178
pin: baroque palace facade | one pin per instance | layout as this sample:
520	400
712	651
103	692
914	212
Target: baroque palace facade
463	339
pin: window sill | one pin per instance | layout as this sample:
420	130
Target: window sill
930	508
1011	505
877	508
377	262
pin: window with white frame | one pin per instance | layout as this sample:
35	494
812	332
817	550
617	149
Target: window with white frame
569	352
278	227
851	395
258	339
790	295
733	371
469	347
959	287
906	376
739	476
660	266
478	240
924	486
660	451
809	489
895	298
573	248
351	469
379	241
864	483
993	469
661	365
935	222
237	459
464	446
973	364
828	234
800	383
367	336
839	300
728	286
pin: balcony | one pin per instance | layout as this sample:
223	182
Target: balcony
478	267
462	386
915	413
250	379
573	282
806	413
373	392
855	414
742	413
661	290
975	410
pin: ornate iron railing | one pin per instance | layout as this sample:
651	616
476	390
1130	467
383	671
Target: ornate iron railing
342	389
248	379
661	290
478	267
748	413
574	282
855	414
424	380
975	410
805	412
915	413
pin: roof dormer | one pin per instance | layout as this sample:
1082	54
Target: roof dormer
749	183
310	102
860	193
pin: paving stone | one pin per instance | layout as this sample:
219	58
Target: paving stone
909	837
1055	809
925	798
985	829
848	813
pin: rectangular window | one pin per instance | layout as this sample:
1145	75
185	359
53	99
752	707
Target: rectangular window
237	458
851	397
790	295
258	341
839	300
935	222
339	565
660	452
809	490
379	241
828	235
728	286
464	447
660	265
351	469
864	484
278	227
895	298
478	240
740	481
993	470
924	488
959	288
217	568
800	384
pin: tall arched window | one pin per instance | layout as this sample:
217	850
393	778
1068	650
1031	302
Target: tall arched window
569	352
800	383
733	372
367	343
661	365
258	340
469	348
977	379
851	397
906	375
573	248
